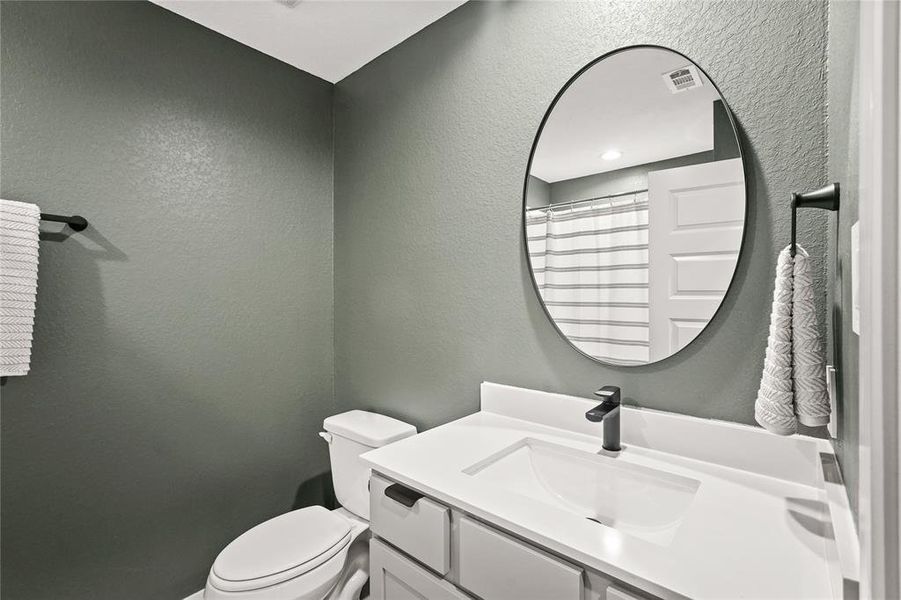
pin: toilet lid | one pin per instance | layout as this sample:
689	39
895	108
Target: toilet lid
284	543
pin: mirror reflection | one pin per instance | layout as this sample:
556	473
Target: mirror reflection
635	206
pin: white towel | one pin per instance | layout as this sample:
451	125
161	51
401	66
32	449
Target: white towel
793	384
19	223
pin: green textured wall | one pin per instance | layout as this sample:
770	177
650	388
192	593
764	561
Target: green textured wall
432	138
183	356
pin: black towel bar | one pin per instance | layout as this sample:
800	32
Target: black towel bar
76	222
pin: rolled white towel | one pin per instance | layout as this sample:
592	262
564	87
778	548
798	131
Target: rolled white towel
793	385
774	408
809	361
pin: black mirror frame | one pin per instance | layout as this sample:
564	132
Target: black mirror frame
525	188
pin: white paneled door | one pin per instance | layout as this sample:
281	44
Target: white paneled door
696	217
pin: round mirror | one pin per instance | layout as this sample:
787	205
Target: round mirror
634	206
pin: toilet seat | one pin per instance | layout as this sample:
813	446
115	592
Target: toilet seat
281	549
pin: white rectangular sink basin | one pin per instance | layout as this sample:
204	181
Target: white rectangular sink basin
633	499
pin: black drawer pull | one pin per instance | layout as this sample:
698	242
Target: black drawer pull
403	494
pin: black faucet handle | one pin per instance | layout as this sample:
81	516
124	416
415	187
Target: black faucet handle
600	412
610	393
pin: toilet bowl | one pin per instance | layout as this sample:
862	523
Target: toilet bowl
312	553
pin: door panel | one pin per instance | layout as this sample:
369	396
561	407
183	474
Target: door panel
695	219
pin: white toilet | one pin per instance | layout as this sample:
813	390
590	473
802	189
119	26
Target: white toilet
312	553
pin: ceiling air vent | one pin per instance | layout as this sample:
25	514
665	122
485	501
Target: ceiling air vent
289	3
683	78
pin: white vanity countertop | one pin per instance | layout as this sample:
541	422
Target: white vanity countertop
758	527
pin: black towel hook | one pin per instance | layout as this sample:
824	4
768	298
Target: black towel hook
826	197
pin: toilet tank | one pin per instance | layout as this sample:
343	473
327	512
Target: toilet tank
349	435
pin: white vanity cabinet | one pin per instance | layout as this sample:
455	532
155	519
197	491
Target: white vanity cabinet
490	504
413	523
494	565
393	576
423	549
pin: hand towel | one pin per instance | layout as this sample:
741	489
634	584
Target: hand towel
808	358
19	224
793	384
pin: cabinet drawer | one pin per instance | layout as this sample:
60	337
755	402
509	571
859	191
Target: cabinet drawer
422	529
395	577
614	593
495	566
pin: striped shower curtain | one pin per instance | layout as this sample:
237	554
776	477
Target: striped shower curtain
591	266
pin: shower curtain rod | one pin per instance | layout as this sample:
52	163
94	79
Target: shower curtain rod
573	202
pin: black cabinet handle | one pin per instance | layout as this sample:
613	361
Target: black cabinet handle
403	494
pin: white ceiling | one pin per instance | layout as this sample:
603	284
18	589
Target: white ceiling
622	103
328	38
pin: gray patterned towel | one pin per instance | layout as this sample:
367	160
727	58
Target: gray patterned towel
793	384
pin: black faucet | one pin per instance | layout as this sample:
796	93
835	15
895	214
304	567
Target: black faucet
608	412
